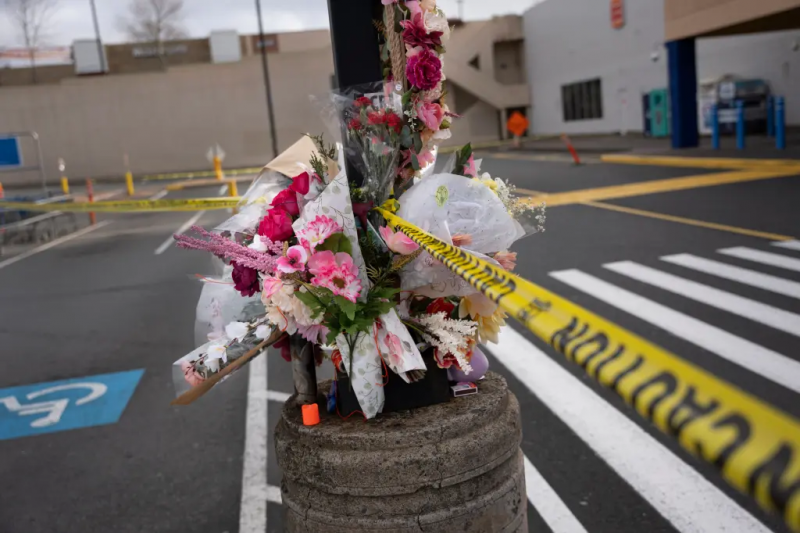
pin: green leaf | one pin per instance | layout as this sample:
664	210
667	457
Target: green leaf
338	242
414	162
405	137
406	98
349	308
417	142
311	301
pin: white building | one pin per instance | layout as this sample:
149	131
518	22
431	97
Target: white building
573	41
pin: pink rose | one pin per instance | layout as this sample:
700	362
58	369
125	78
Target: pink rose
398	242
287	200
424	69
276	225
431	115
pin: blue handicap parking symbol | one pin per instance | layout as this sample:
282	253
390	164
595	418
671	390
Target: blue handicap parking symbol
66	404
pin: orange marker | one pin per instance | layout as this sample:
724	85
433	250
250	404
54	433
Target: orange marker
310	415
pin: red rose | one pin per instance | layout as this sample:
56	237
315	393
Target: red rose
440	305
355	124
286	200
393	121
276	225
362	101
300	183
376	118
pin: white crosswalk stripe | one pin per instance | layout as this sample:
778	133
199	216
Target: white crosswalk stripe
756	311
766	258
789	245
734	273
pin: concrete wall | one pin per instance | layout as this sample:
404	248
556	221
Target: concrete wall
167	120
688	18
572	40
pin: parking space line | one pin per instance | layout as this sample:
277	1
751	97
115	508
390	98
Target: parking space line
159	195
789	245
766	258
550	507
689	221
51	244
255	491
186	225
700	162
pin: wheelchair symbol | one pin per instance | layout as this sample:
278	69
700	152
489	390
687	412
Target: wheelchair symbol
54	409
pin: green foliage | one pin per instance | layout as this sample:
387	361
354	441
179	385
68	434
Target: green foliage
462	156
338	242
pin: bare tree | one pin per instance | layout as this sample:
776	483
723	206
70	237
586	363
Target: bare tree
31	18
154	21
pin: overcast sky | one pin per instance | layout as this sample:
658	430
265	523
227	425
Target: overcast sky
73	19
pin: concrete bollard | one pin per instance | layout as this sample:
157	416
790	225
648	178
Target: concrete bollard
447	468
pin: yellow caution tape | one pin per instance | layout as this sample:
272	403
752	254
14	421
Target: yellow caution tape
127	206
755	446
200	174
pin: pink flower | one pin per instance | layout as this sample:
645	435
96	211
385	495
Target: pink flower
462	239
286	200
276	225
395	346
190	374
295	260
431	115
507	260
300	183
398	242
469	168
424	69
271	286
416	34
316	333
413	7
317	231
336	273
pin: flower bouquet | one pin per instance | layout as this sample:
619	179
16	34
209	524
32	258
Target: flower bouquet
318	271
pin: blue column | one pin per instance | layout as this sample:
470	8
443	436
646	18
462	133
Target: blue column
740	125
780	123
715	127
683	93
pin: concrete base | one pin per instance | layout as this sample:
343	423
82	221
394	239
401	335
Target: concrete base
452	467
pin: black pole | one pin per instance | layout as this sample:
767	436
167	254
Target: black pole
356	52
99	41
265	65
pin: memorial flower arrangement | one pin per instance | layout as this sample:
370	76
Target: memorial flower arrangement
310	265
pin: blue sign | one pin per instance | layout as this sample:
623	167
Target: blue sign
10	156
66	404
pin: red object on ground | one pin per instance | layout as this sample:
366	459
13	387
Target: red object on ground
571	149
2	193
310	415
517	124
90	195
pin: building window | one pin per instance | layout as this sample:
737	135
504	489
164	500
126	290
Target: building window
582	100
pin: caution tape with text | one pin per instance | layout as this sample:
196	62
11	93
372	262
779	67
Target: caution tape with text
754	446
127	206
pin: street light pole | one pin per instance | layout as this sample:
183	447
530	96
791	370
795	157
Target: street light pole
99	42
265	65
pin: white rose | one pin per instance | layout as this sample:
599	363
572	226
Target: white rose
437	22
258	245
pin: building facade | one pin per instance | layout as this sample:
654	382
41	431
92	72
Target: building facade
164	109
588	76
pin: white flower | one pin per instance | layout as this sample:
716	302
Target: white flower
442	135
214	354
236	330
258	245
436	21
449	336
263	331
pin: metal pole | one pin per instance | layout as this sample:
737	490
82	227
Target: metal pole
356	52
99	41
780	123
265	65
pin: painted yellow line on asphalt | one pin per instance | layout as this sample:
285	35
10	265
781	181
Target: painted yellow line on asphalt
206	183
691	221
549	158
700	162
657	186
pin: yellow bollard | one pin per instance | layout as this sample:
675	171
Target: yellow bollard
129	182
65	184
232	191
218	167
